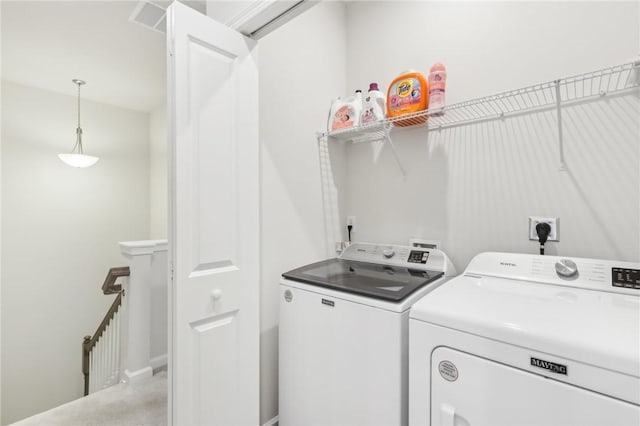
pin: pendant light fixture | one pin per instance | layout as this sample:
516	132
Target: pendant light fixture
78	158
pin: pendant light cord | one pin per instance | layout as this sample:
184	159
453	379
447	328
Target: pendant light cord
77	157
78	104
78	144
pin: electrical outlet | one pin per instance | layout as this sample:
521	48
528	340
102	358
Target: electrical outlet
553	223
351	220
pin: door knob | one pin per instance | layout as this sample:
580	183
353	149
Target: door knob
216	294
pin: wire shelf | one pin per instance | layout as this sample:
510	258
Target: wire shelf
547	95
364	133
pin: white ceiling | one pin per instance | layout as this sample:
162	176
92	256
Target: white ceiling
45	44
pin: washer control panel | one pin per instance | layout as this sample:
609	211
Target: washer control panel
396	255
625	277
418	256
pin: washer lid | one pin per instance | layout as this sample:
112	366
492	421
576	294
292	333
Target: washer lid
392	283
594	327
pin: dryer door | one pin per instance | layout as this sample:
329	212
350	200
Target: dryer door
469	390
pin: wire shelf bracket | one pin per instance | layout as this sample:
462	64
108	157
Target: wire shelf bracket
387	137
563	166
378	131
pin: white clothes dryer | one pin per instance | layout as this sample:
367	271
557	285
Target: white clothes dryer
344	334
528	340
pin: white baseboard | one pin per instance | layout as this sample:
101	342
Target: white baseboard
158	362
134	377
272	422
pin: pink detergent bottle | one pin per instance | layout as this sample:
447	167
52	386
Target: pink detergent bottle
437	80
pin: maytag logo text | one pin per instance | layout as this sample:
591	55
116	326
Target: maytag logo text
550	366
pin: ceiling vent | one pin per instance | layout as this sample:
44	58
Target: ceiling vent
150	15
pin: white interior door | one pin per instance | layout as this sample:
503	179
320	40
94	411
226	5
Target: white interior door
213	104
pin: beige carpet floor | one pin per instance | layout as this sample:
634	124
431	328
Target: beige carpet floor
121	405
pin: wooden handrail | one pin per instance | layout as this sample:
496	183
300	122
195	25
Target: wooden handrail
109	286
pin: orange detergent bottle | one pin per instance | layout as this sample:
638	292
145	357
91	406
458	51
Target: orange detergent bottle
407	93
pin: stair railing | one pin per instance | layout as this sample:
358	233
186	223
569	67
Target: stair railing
101	352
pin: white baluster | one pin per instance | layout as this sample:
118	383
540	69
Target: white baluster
105	364
92	372
116	370
116	365
104	358
122	342
105	351
95	367
109	348
94	353
112	348
96	349
107	357
100	354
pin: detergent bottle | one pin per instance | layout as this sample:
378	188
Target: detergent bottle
345	114
331	121
356	103
408	93
373	106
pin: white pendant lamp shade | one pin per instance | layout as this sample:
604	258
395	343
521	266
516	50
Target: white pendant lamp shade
77	157
78	160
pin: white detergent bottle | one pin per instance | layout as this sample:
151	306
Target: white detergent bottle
335	106
356	103
345	114
373	107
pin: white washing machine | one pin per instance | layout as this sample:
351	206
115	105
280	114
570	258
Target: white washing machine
528	340
344	330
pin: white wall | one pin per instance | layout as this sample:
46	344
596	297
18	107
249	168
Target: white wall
473	187
158	206
0	223
158	225
158	309
61	231
302	65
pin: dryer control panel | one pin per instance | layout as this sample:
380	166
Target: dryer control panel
594	274
625	277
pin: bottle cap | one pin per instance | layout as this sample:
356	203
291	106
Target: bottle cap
437	67
358	91
373	86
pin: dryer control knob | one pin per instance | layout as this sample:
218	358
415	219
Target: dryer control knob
566	268
388	253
